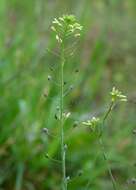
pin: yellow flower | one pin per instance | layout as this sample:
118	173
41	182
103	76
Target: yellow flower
66	26
92	123
117	95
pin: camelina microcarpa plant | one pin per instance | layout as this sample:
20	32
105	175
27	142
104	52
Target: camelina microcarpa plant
64	27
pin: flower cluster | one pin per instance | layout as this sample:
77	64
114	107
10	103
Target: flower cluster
92	123
66	26
117	95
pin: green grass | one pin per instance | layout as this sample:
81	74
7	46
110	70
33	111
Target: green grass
105	56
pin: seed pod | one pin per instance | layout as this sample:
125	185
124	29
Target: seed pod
80	172
49	77
76	71
134	131
45	95
65	147
66	115
71	87
56	117
45	130
75	124
47	155
68	178
57	108
132	181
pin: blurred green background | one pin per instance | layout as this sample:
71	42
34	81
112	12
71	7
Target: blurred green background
105	56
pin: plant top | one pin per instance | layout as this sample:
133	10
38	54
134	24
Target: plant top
66	26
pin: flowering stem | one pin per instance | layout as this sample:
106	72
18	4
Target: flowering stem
64	181
64	27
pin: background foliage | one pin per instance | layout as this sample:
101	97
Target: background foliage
105	57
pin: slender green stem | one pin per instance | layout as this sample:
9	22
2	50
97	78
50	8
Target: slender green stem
64	181
64	27
108	165
103	147
108	112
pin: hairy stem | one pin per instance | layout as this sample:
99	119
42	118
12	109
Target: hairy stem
64	181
